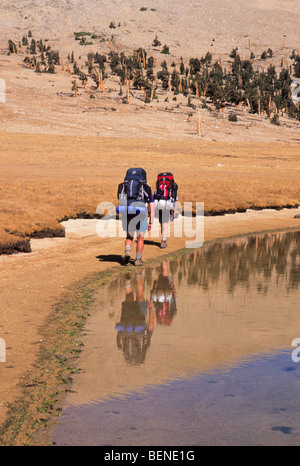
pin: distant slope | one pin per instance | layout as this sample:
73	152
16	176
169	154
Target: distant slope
188	28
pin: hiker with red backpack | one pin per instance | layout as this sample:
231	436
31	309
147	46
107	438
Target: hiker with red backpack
165	197
136	203
163	297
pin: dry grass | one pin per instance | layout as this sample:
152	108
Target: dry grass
11	243
45	179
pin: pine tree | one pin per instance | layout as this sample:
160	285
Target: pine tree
75	87
33	47
12	47
296	66
181	69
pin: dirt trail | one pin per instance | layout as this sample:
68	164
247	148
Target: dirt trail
32	283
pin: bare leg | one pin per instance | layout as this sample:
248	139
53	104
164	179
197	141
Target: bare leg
165	230
164	269
140	243
139	249
164	234
140	289
128	244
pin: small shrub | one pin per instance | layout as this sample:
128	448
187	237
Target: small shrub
264	55
232	117
165	50
275	120
156	42
81	34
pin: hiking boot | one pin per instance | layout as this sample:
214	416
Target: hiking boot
163	244
138	262
126	258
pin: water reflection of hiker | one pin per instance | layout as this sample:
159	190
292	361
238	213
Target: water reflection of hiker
163	297
165	197
136	324
135	203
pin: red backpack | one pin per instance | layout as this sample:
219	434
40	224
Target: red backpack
164	186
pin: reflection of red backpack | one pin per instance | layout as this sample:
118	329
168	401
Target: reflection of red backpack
163	314
164	186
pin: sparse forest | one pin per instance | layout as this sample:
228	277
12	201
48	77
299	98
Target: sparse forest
236	83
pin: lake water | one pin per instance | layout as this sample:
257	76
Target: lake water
194	351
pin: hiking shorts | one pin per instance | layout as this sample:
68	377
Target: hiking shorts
165	217
164	210
139	227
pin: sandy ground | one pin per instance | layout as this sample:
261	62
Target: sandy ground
188	28
39	279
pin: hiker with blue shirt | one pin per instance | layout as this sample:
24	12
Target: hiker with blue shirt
135	328
136	201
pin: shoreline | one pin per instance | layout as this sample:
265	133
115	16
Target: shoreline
16	245
65	271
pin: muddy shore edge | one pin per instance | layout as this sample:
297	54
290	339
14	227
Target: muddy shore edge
15	244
